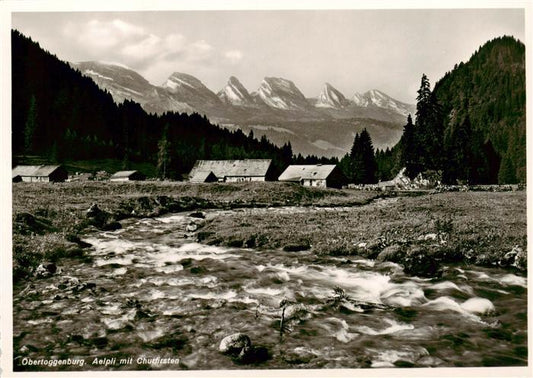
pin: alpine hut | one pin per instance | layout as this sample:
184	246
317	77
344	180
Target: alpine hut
39	173
320	175
127	176
232	170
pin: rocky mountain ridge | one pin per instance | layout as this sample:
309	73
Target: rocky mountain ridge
276	98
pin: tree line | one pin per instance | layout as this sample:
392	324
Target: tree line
469	129
59	114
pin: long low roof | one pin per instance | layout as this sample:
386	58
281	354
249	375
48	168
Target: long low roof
202	176
224	168
121	174
34	170
300	172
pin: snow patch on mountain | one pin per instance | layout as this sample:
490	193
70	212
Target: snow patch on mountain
360	99
177	80
94	73
108	63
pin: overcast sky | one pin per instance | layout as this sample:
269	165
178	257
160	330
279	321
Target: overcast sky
354	50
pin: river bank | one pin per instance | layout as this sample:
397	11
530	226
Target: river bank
421	232
48	219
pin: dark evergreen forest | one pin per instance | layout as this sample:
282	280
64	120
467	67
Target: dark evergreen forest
472	127
61	115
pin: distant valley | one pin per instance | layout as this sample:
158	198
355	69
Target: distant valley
323	126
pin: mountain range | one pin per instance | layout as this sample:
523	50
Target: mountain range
276	109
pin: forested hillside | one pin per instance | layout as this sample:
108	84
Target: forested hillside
472	127
61	115
489	92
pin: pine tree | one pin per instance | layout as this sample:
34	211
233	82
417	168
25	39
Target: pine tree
345	165
459	162
286	152
507	174
408	153
427	132
30	126
363	160
163	154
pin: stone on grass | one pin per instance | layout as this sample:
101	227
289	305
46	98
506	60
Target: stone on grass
391	253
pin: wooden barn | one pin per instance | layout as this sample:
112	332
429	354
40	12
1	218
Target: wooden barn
321	176
127	176
39	173
233	170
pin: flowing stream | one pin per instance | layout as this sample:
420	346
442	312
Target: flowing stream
151	292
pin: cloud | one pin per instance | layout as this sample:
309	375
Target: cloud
117	40
103	35
233	56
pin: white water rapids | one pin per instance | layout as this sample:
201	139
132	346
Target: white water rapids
157	284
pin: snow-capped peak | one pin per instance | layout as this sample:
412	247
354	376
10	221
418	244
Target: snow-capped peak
331	98
379	99
281	93
177	80
235	93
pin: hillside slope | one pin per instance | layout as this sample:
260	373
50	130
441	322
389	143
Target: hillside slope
490	88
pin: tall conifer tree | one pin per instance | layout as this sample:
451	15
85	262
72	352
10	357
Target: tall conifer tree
363	159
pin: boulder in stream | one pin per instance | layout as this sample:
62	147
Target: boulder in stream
516	258
237	343
239	347
197	214
421	262
191	227
101	219
391	253
46	269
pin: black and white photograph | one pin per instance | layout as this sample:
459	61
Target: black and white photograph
325	188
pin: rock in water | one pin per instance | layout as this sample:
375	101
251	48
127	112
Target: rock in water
516	258
46	270
191	227
421	262
93	211
392	253
197	214
239	347
235	344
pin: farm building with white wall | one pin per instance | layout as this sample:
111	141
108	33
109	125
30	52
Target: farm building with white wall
232	170
39	173
320	175
127	176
